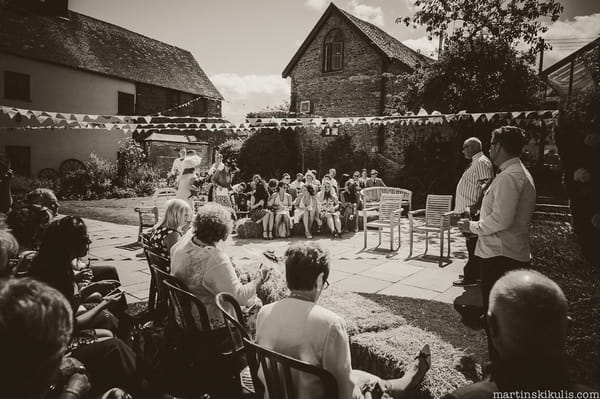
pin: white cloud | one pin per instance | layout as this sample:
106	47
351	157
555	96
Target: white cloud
410	5
571	35
424	46
317	5
250	93
368	13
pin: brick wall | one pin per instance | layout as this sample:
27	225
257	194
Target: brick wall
354	91
153	99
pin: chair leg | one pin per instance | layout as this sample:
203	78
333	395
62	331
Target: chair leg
410	243
391	238
448	243
379	231
364	227
426	243
440	263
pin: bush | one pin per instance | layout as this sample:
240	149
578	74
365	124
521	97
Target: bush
133	171
269	152
230	150
21	185
95	181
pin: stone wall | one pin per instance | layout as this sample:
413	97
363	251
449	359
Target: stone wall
354	91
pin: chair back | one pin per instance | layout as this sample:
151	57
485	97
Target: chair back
148	217
186	311
234	320
277	371
388	205
372	195
435	208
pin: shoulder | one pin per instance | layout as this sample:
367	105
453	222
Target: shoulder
478	390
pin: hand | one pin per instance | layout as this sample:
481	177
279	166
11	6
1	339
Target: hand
463	226
113	297
70	366
83	276
78	384
263	275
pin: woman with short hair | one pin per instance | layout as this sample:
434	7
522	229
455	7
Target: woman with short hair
296	326
206	270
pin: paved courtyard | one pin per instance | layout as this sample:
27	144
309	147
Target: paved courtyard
353	268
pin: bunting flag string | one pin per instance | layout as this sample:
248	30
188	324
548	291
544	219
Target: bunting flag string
30	119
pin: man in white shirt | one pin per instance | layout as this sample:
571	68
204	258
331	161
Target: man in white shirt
176	168
503	228
297	327
468	195
298	183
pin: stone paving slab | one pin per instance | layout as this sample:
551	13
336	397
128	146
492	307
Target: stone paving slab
353	267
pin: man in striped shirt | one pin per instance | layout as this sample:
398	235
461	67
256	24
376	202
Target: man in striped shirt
469	192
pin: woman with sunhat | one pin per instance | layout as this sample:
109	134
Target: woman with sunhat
186	189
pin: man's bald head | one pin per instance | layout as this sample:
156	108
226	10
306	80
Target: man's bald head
471	146
528	315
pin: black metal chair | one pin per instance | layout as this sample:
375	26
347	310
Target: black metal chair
161	263
277	371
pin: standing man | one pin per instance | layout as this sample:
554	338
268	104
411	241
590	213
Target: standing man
503	228
375	181
176	168
469	193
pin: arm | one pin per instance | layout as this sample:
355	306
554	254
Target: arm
336	358
506	193
221	277
171	239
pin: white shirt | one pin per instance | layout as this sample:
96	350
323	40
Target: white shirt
176	168
469	189
508	204
306	331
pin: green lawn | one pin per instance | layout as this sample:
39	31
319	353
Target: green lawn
110	210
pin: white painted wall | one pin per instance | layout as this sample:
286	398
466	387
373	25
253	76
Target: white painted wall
63	89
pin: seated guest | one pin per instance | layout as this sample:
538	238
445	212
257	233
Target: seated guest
35	327
259	212
362	180
286	178
296	326
349	206
327	179
332	172
375	181
205	269
527	319
66	241
310	180
298	183
306	208
272	186
44	197
281	205
28	224
9	249
356	178
239	198
171	227
329	206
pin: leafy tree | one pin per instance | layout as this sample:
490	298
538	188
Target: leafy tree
509	21
479	75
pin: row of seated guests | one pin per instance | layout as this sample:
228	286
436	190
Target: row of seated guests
527	319
279	205
49	249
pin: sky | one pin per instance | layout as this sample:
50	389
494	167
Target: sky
244	45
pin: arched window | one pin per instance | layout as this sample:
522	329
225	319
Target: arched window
333	51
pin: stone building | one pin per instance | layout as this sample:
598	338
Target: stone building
57	60
346	67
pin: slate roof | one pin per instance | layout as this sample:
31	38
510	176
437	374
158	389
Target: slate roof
384	43
89	44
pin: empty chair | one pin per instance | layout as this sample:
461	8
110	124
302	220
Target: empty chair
390	208
148	217
278	371
437	220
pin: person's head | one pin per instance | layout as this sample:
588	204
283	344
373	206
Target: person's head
327	186
9	248
256	178
191	153
507	142
299	176
65	239
350	186
272	187
29	224
282	187
374	173
326	178
35	329
527	316
44	197
471	146
286	178
190	163
177	215
212	223
364	173
356	175
240	187
332	172
310	178
182	152
307	268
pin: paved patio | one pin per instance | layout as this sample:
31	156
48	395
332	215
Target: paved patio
370	270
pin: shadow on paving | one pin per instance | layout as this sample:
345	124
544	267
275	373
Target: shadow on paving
442	319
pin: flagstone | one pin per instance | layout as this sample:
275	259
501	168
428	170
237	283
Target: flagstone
362	284
350	266
393	271
400	289
435	280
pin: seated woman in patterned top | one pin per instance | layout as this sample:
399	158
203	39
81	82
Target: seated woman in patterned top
171	227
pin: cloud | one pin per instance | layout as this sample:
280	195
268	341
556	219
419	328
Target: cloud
569	35
410	6
424	46
317	5
368	13
250	93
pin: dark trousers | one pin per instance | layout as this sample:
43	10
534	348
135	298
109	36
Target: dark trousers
491	270
471	269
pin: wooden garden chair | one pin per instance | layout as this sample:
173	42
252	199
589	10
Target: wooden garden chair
148	217
437	220
390	209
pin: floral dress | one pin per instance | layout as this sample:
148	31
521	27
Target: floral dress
156	241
